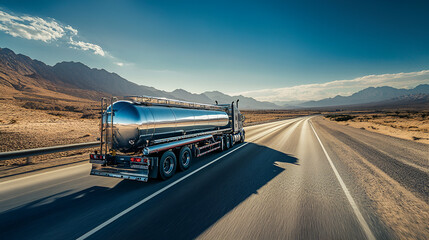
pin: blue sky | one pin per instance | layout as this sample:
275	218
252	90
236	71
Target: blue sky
270	50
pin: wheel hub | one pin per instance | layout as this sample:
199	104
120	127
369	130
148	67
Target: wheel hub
168	165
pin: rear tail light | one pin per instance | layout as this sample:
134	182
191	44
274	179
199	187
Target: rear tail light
136	159
139	160
96	157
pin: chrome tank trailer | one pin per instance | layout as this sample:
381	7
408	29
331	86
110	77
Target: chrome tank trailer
136	125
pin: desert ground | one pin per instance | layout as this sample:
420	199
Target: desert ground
26	124
406	124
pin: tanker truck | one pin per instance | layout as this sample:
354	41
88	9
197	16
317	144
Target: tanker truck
145	137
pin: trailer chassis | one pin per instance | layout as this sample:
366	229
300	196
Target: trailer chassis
141	167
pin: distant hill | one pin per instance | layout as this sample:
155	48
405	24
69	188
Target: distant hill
81	76
22	77
192	97
418	101
411	101
19	73
368	95
244	103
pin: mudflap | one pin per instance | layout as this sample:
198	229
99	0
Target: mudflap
154	163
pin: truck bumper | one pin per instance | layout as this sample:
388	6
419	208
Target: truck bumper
141	175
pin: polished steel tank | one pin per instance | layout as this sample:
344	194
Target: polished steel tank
136	125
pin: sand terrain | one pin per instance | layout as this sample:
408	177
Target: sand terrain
22	127
410	125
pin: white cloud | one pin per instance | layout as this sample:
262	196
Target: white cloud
87	46
71	29
120	64
30	27
339	87
46	30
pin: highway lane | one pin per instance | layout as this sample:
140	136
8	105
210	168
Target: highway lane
31	197
279	185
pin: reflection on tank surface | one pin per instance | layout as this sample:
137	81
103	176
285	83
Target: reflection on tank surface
136	124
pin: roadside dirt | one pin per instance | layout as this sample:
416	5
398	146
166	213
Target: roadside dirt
410	125
59	124
22	128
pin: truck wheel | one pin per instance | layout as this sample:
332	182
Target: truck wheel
232	139
167	165
227	141
185	158
243	137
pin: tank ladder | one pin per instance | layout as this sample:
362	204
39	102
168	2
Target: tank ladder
105	128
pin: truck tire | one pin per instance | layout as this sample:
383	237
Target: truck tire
243	136
185	158
167	165
227	141
232	139
222	144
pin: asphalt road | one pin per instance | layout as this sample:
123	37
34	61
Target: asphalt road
301	178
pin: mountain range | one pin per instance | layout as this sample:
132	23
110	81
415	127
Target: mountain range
19	74
368	95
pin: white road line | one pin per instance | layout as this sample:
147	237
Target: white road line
43	173
86	235
352	202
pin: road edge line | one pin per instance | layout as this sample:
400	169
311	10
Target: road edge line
43	173
352	202
129	209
